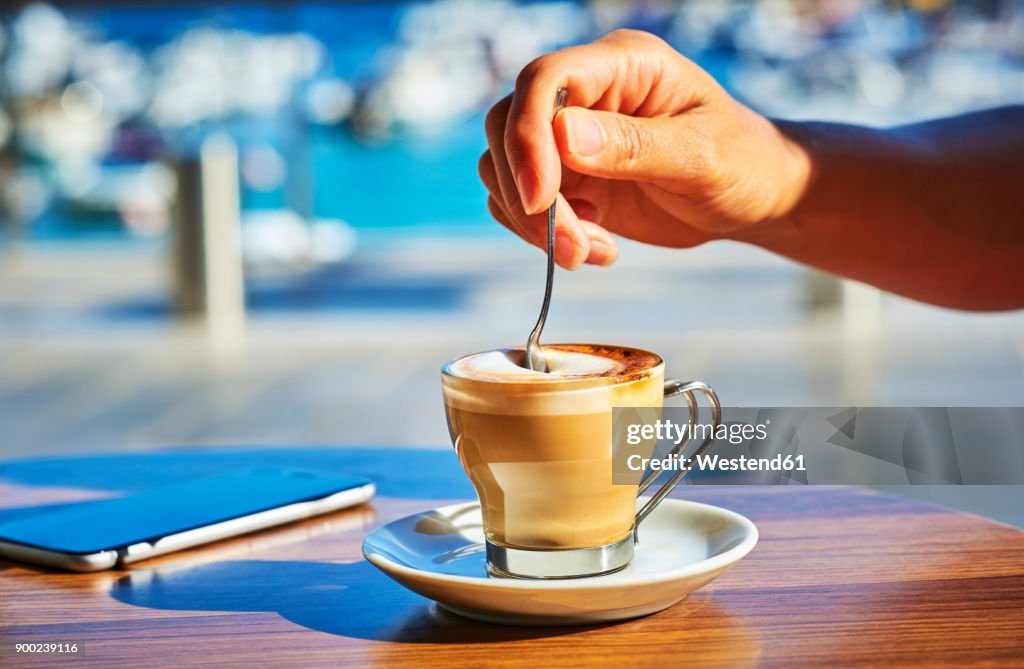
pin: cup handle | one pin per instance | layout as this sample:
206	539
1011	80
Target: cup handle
674	387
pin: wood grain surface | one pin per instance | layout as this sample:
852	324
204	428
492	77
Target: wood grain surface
841	577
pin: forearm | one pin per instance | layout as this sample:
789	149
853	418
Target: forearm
933	211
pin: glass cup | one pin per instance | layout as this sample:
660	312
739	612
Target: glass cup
539	455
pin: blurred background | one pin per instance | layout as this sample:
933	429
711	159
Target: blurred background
261	223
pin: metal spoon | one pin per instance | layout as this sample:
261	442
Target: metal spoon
534	359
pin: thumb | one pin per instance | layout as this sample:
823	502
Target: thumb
616	146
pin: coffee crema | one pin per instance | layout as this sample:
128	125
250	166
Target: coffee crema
565	361
493	381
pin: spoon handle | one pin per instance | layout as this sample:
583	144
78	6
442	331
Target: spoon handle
534	359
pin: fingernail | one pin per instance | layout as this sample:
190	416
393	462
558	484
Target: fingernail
565	250
586	136
601	253
527	184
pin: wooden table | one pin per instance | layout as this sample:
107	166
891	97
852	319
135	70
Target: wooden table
841	576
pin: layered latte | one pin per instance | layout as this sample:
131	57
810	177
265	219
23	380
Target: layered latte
537	446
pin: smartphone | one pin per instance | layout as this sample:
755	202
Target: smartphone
92	536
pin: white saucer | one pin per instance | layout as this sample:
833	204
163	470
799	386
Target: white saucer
440	554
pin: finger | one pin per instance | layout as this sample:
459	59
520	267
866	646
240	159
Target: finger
572	246
615	146
529	142
494	127
498	173
499	214
489	177
603	249
567	253
625	71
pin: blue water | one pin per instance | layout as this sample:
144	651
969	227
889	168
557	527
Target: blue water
430	181
427	183
352	31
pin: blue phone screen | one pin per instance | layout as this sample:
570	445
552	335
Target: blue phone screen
109	524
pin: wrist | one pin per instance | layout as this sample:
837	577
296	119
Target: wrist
793	172
795	166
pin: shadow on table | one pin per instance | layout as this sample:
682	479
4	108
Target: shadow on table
353	600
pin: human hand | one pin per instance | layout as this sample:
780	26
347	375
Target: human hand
650	147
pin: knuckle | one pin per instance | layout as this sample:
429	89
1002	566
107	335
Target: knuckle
626	34
492	206
533	70
517	134
638	37
494	122
484	166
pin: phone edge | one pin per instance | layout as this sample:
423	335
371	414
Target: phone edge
108	559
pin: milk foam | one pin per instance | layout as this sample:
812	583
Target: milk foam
582	378
500	366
